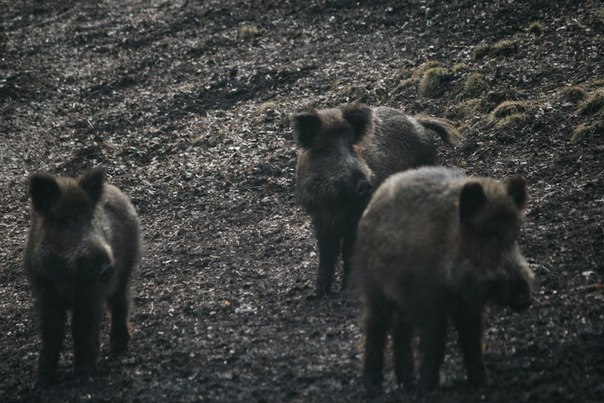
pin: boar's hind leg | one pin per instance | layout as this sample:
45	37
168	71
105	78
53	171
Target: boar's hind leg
378	317
53	317
432	348
119	304
403	355
87	315
329	249
469	328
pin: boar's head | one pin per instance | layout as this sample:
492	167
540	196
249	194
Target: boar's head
70	239
494	269
331	173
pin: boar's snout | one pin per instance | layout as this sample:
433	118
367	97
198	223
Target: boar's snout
106	273
516	295
96	265
364	188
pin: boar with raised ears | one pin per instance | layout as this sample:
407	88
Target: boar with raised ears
343	155
435	245
83	246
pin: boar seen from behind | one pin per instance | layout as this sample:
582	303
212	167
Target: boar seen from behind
435	244
343	155
83	246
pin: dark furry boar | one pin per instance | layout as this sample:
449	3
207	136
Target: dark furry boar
343	155
433	244
83	245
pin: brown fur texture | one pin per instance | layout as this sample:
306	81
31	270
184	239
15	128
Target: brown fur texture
434	244
83	246
343	155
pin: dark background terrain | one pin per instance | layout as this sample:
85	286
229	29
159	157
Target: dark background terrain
186	104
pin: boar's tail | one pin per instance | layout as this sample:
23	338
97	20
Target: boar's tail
443	127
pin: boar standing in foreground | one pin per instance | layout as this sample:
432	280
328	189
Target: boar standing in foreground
343	155
432	244
83	245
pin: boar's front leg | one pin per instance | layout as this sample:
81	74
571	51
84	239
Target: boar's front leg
347	250
87	315
329	250
469	327
378	318
402	334
119	304
432	348
52	318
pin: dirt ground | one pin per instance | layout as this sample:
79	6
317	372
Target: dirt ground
186	104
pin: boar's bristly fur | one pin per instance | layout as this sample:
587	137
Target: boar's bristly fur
83	245
434	244
343	155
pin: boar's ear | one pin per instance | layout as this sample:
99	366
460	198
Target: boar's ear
44	191
517	191
359	117
92	182
306	124
471	199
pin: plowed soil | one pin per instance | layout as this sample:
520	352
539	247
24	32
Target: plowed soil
186	105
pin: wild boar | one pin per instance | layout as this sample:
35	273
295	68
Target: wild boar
83	245
435	244
343	155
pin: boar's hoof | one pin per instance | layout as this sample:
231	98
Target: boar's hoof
519	307
317	294
373	389
44	380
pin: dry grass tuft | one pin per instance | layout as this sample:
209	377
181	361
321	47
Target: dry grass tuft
434	83
587	130
592	105
572	94
474	85
536	28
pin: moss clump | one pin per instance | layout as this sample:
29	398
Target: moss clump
434	82
473	85
593	104
572	94
536	28
587	130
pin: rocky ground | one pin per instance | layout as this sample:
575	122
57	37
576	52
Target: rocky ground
186	105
